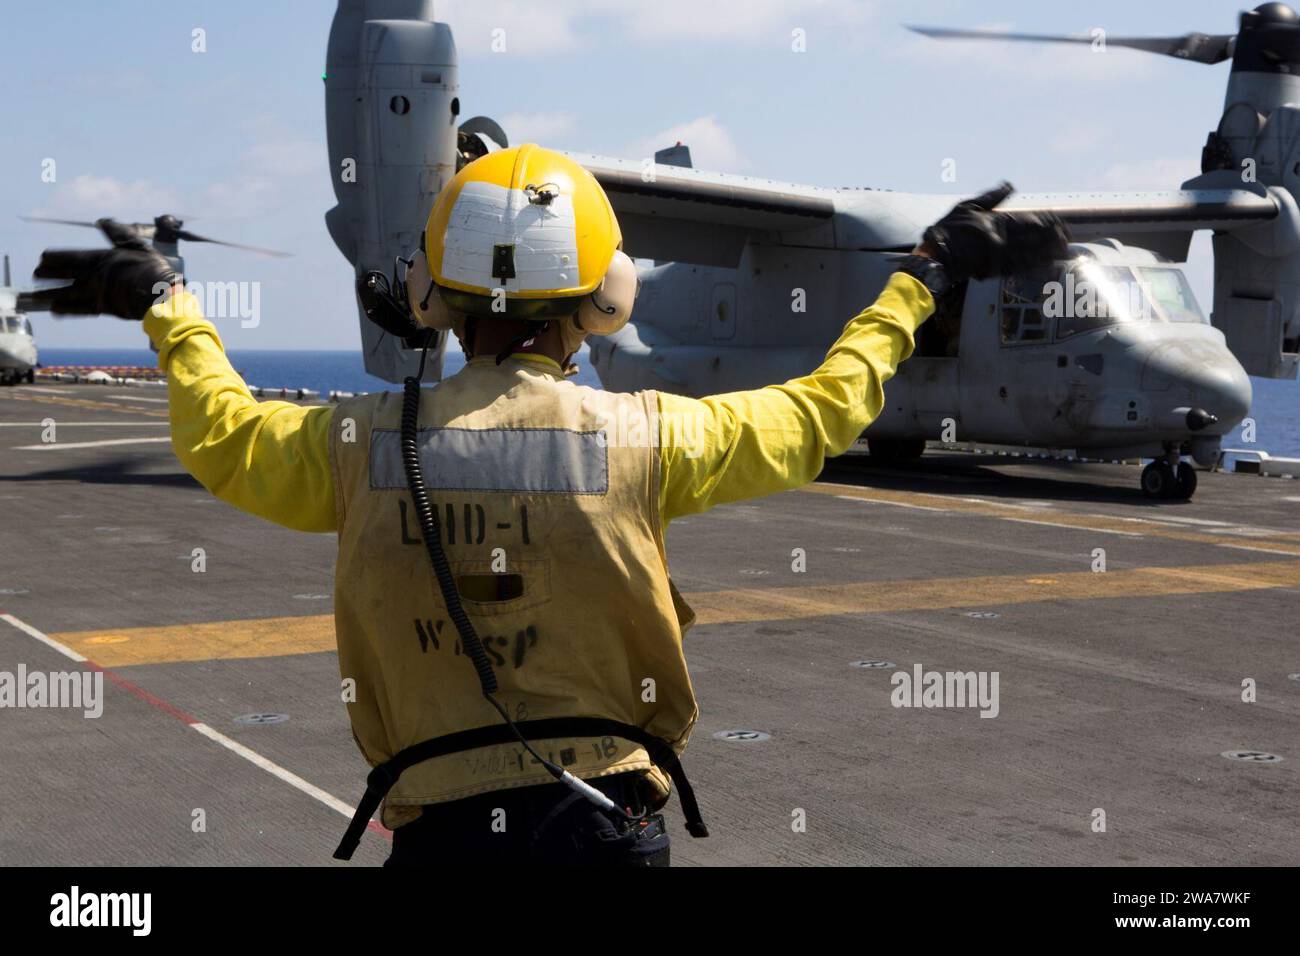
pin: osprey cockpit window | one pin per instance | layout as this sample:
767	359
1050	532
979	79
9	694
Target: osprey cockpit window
1169	289
1023	321
1096	296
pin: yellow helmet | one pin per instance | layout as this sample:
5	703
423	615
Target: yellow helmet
527	224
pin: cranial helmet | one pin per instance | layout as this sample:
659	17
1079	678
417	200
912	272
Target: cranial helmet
524	233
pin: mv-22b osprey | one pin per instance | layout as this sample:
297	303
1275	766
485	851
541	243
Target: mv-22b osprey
17	345
754	279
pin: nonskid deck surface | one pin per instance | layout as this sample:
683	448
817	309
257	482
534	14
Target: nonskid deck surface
1118	690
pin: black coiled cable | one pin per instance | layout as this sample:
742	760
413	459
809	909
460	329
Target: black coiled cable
431	532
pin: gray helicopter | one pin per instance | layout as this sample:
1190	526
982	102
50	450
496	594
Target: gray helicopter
753	279
17	344
164	234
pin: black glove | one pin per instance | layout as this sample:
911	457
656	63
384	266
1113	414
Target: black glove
974	242
125	280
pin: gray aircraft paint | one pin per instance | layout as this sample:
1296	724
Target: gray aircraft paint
391	107
17	345
715	313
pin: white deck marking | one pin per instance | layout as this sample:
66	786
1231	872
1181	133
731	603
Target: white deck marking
1170	519
44	639
1074	527
275	770
252	756
65	445
63	424
896	504
998	504
1152	525
134	398
1246	547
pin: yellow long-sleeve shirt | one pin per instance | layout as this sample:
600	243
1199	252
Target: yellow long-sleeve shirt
272	459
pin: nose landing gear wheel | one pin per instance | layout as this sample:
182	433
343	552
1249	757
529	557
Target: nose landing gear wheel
1157	479
1161	480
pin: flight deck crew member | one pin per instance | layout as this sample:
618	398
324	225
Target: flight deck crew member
548	501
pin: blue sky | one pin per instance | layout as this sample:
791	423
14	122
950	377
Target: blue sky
233	139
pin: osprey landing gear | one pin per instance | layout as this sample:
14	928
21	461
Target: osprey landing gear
1169	478
895	450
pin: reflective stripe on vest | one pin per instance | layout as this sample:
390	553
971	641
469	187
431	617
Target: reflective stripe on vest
585	622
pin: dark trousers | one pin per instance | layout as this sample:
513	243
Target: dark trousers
546	825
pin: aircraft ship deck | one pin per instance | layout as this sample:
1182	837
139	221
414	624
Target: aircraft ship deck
1118	690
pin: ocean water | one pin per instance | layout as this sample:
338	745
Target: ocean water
1276	409
321	371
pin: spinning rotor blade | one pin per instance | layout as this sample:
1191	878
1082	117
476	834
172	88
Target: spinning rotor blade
61	222
1199	47
144	230
192	237
166	228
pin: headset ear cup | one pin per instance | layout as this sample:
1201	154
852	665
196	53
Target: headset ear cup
427	305
608	308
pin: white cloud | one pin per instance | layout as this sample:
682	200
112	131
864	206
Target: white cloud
241	198
1024	60
563	25
284	157
756	20
711	144
526	29
88	196
263	170
546	128
262	175
1161	173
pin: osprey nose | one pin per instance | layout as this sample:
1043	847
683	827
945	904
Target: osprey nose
1205	393
1223	392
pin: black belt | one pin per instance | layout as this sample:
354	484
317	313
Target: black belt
382	778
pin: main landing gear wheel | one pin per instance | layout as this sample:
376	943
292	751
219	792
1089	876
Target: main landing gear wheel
1157	479
1162	480
895	449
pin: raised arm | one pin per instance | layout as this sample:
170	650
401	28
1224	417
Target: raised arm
267	458
776	438
270	459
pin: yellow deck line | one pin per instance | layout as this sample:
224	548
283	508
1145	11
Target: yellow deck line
81	403
875	597
205	641
1051	516
279	636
